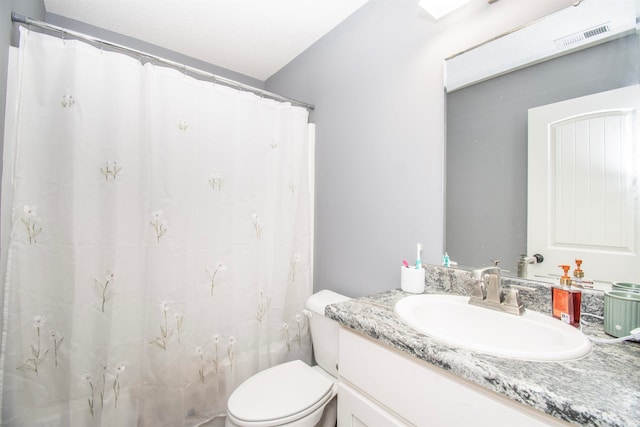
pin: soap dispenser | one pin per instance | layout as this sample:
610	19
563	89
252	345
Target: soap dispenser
578	273
578	276
566	300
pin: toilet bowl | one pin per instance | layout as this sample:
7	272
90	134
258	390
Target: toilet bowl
294	394
291	394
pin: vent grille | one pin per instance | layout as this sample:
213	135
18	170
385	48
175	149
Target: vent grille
583	35
596	31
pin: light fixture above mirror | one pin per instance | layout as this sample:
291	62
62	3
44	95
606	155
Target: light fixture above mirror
563	32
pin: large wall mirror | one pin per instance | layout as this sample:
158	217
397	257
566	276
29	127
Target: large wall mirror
586	49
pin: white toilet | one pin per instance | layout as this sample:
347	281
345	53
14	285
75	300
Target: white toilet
294	394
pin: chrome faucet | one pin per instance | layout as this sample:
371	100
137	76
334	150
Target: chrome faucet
488	291
524	261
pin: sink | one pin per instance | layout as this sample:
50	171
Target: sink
532	336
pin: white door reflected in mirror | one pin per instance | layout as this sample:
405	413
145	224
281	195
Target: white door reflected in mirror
583	185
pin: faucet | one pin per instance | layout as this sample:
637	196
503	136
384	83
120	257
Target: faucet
525	260
488	291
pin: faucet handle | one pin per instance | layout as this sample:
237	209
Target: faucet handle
512	300
479	291
495	264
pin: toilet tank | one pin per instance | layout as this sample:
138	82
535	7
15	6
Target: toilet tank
324	331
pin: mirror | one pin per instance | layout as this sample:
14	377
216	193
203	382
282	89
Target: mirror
590	48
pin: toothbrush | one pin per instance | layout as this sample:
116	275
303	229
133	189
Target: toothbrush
405	263
418	262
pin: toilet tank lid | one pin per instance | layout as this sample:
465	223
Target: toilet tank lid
318	301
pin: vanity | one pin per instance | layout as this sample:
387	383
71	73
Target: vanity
391	374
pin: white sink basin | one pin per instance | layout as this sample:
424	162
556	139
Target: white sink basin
532	336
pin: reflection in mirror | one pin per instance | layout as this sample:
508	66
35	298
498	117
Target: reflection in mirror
486	143
582	192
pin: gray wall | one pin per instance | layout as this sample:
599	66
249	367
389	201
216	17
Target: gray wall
377	84
486	152
378	179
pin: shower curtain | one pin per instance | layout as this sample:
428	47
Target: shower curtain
157	237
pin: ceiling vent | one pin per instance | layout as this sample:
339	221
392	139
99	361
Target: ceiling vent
583	35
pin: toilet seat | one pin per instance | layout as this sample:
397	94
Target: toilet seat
280	395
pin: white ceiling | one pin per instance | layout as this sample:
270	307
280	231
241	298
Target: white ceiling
253	37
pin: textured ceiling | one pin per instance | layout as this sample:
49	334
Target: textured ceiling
253	37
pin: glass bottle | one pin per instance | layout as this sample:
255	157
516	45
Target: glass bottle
565	300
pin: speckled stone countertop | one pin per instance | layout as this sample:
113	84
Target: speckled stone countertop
601	389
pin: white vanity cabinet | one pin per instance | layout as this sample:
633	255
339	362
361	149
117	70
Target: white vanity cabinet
380	386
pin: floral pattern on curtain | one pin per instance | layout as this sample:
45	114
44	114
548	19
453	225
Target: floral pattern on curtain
160	240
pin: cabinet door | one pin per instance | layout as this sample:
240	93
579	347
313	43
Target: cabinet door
422	394
356	410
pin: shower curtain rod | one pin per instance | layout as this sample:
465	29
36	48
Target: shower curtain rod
29	22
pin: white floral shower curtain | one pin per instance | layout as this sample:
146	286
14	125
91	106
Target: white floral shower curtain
160	240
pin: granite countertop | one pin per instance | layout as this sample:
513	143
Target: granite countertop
601	389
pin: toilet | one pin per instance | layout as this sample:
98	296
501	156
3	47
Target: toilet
294	394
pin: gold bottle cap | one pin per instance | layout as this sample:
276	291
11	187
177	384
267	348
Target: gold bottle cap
578	271
565	280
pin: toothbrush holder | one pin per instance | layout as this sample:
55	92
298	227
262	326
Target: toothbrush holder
412	279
